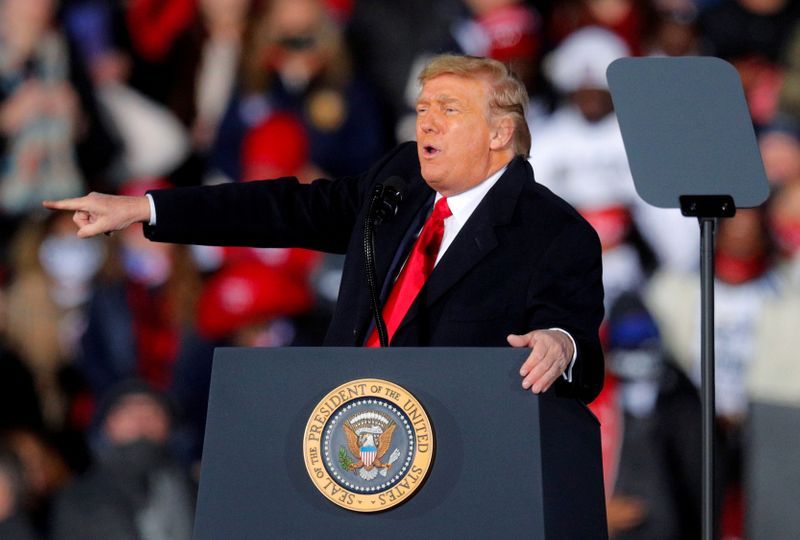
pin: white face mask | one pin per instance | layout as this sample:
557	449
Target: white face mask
71	263
151	267
207	258
642	364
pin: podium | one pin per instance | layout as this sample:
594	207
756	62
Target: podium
507	463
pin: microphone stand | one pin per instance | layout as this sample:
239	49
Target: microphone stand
369	261
382	207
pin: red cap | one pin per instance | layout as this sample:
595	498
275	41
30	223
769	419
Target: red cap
278	146
248	292
512	31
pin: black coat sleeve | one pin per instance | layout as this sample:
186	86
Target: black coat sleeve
269	213
572	299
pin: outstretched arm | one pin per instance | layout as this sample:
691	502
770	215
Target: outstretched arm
97	213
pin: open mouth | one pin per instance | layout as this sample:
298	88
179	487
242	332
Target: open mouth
430	151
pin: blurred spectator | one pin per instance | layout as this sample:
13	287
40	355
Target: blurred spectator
44	473
134	490
277	147
784	227
244	303
53	272
626	18
650	427
196	75
674	31
250	302
252	296
789	98
744	282
139	311
773	441
506	30
153	141
14	523
39	109
753	35
297	61
579	154
213	75
779	144
19	400
739	29
156	28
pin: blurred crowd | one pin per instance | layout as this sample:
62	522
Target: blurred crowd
106	344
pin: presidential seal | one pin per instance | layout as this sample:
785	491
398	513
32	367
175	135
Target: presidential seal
368	445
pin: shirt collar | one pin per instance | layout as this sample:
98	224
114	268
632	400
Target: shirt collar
463	204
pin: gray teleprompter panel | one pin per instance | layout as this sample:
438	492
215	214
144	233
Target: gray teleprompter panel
687	130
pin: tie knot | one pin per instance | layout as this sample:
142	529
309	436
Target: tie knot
441	210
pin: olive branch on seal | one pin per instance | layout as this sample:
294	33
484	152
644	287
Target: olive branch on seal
344	459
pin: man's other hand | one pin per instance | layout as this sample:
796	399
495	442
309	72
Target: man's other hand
551	354
97	213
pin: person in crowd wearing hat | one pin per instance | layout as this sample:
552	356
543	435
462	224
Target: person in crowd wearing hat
627	19
247	303
277	146
490	219
649	415
297	61
579	154
134	490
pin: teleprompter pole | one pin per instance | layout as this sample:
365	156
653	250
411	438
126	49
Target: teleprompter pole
708	209
689	135
707	226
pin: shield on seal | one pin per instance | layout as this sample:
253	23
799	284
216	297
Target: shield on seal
368	455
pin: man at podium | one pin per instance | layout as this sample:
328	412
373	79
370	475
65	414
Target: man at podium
478	253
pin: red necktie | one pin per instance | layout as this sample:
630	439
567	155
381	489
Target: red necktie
416	271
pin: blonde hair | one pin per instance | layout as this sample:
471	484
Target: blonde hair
508	95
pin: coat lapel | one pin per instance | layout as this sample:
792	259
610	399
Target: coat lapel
476	239
389	236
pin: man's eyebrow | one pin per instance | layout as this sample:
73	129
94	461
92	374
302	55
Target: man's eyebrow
441	98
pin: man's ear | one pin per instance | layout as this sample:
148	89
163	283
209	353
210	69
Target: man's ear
502	133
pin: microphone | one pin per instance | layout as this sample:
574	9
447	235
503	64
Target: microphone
386	198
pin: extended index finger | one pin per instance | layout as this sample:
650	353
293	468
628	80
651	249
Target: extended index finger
78	203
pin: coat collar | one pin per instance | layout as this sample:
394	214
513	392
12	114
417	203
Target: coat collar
476	239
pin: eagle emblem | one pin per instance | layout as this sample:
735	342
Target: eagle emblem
369	437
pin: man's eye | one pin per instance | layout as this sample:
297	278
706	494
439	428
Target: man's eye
450	110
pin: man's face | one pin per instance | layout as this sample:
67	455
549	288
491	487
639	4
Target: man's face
137	416
454	133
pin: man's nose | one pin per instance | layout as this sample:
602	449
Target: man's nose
429	122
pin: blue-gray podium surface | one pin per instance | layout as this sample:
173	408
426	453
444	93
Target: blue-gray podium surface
507	464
